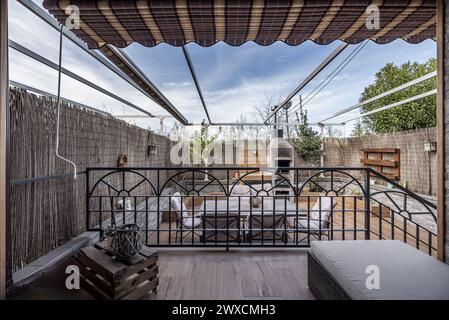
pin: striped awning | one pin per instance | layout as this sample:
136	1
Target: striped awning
206	22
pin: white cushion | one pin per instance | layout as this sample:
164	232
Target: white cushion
190	222
326	206
314	225
177	204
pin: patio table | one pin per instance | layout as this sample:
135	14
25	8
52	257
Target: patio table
269	206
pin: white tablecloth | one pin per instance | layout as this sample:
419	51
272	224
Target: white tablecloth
279	205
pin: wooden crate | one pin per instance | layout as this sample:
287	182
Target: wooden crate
105	278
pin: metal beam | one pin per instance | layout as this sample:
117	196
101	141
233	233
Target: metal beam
41	13
309	78
195	80
47	94
261	124
5	212
393	105
139	116
382	95
129	63
53	65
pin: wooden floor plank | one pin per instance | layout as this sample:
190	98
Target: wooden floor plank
204	275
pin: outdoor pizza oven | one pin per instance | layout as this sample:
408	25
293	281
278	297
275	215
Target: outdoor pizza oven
281	157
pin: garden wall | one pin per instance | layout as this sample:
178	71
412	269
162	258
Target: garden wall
48	213
417	166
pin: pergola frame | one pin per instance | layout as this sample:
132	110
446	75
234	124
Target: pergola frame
5	214
48	63
39	12
331	57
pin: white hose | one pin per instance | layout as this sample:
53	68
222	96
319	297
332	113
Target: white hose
59	109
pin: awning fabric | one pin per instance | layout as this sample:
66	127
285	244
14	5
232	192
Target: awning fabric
206	22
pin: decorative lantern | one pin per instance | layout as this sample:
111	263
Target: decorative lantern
126	242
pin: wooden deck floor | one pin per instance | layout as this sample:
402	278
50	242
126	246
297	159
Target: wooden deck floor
237	274
203	275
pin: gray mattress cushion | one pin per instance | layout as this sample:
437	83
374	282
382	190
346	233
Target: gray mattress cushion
405	272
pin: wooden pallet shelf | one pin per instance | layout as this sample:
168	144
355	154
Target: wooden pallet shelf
384	160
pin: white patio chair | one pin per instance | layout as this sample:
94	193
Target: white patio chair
184	220
319	218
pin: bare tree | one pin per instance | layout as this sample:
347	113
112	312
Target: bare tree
262	112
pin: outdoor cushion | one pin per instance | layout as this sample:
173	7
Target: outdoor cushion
314	223
187	220
326	205
176	202
190	222
405	272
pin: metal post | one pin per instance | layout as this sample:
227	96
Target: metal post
161	128
5	213
322	145
88	201
195	80
367	204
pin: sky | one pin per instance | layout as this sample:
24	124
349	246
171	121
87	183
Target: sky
234	80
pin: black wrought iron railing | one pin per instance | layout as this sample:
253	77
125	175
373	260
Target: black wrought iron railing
257	207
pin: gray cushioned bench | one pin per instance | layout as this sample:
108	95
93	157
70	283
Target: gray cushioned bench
336	270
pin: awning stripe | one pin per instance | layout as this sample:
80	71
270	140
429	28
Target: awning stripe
147	18
360	22
238	16
409	24
313	15
203	21
412	7
274	16
206	22
420	20
108	13
292	18
83	25
131	20
165	15
184	19
256	17
220	20
390	18
425	26
327	19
